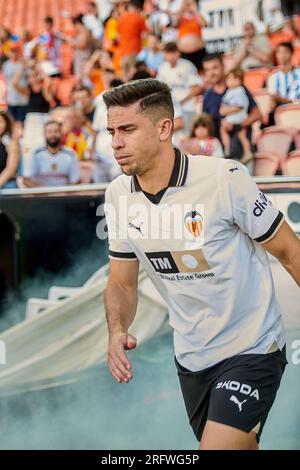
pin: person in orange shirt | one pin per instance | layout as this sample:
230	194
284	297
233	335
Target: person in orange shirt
131	28
189	25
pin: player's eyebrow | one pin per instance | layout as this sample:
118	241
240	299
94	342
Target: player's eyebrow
121	128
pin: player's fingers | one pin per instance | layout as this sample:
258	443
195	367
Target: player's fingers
121	370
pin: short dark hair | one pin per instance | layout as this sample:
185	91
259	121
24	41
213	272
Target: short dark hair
49	20
204	120
216	56
287	45
154	97
115	82
84	88
52	121
237	72
141	74
171	47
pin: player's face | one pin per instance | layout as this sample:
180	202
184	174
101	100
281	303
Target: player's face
135	138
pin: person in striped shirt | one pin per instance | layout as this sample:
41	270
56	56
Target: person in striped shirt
284	85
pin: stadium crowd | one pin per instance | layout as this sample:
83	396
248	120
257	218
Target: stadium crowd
242	104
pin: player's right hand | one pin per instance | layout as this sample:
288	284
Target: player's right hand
118	363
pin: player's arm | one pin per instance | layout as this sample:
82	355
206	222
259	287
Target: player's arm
285	246
120	307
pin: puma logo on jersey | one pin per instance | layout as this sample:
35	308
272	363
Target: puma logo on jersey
237	402
233	169
238	387
138	228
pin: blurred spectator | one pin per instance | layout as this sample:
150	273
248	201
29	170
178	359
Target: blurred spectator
234	109
202	140
92	21
290	8
131	28
215	75
85	103
50	42
152	55
9	152
53	165
3	95
182	77
101	147
17	101
273	17
83	46
254	51
5	43
190	23
38	88
284	85
110	41
98	71
76	134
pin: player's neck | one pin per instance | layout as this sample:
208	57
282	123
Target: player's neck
158	176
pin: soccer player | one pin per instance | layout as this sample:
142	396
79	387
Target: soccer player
200	227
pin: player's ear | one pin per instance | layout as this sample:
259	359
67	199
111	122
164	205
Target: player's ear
165	127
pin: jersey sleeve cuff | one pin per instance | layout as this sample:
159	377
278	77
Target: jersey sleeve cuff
272	230
122	256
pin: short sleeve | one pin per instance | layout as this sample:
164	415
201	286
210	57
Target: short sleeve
272	84
247	206
119	245
74	175
33	167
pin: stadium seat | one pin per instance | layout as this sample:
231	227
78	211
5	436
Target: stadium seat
288	115
291	166
264	102
86	171
255	78
275	140
297	141
266	164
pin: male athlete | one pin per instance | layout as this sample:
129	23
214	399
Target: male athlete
200	227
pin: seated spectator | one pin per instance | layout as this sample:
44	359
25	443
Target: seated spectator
234	107
38	88
152	55
182	77
284	85
85	102
76	134
202	140
254	51
9	152
215	75
53	165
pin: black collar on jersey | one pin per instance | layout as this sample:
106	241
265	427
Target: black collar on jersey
178	175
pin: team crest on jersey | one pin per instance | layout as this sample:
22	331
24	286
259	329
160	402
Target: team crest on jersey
54	166
194	223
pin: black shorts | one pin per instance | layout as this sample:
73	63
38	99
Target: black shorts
195	57
238	391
